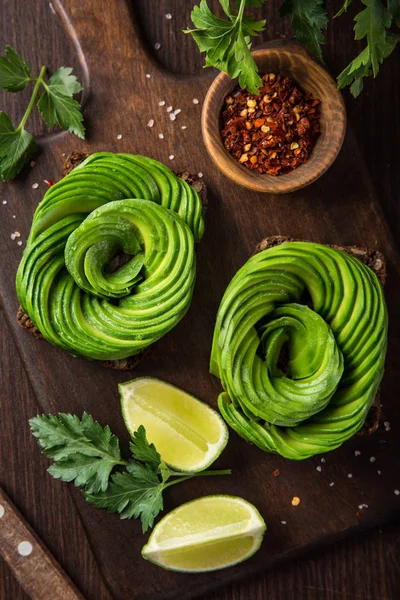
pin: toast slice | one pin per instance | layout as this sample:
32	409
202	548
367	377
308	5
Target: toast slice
376	262
124	364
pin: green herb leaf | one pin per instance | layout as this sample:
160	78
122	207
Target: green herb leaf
14	72
137	494
83	451
255	3
56	104
16	148
143	451
373	24
309	18
227	42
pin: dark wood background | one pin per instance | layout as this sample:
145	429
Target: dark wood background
366	567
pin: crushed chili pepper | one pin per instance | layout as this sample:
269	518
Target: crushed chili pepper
276	473
275	131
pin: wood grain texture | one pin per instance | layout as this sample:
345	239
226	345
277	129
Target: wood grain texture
32	564
290	59
308	579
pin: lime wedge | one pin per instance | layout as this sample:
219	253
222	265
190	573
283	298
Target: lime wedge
187	433
206	534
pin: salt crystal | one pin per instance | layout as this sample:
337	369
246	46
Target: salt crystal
195	101
357	453
323	460
150	123
397	492
319	468
169	108
171	157
35	186
119	136
172	117
4	202
349	475
283	522
372	459
183	127
200	175
168	16
161	136
157	46
332	483
161	103
379	472
19	243
13	236
13	216
148	75
177	111
386	424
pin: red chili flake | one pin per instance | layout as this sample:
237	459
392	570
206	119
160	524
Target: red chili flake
276	473
272	132
49	182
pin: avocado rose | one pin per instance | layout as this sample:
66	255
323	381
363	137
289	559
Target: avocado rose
299	346
110	206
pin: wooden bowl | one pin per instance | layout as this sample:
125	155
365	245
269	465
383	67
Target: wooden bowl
291	59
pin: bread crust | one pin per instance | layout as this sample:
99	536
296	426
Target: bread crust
376	262
124	364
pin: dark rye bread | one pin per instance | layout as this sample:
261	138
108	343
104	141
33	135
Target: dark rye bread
123	364
376	262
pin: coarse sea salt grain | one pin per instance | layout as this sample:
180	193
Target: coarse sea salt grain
4	201
397	492
357	453
161	103
148	75
171	157
323	460
161	136
172	117
283	522
169	108
319	468
386	424
177	111
119	136
372	459
150	123
183	127
200	175
379	472
157	46
19	243
332	483
168	16
35	186
349	475
195	101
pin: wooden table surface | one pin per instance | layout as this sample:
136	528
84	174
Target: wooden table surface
362	568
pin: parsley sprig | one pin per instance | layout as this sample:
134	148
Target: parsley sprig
56	105
86	453
227	42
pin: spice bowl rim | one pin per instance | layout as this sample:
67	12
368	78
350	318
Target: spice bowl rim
327	146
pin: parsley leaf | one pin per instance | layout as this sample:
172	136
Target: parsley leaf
309	18
227	42
143	451
372	23
14	72
136	494
86	453
83	451
16	148
56	104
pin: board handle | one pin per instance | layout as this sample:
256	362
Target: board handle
105	34
34	567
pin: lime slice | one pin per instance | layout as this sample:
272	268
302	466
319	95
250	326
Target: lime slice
206	534
187	433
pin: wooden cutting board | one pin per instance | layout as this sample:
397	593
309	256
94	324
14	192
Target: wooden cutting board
340	208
